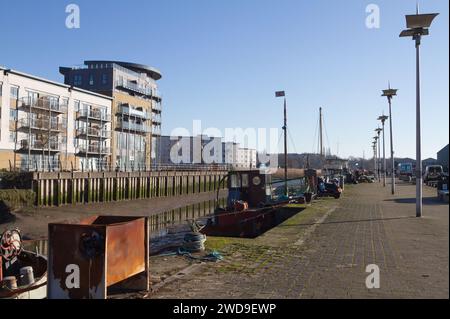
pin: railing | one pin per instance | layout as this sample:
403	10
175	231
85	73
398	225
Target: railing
94	132
94	149
39	165
133	127
40	124
156	130
139	89
43	103
134	87
156	119
127	110
157	108
191	167
94	114
40	145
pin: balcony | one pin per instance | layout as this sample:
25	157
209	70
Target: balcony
133	87
40	145
156	119
40	125
93	132
45	104
93	115
157	108
125	109
93	150
132	127
156	131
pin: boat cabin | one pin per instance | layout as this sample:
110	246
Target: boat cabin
252	187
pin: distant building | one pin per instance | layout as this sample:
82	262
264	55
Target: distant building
136	108
442	157
203	149
50	126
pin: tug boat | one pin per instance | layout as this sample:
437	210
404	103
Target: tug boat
252	208
23	273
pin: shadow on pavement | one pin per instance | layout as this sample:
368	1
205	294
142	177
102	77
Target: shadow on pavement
412	200
351	221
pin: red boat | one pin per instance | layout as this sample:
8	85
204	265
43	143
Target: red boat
251	209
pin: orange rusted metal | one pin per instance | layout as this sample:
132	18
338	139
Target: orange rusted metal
87	258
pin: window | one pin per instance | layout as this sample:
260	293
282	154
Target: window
12	137
104	78
1	86
77	79
14	92
76	105
13	114
91	79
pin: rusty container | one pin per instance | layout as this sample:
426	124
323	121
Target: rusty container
85	259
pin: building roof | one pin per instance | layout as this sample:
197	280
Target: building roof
69	87
150	71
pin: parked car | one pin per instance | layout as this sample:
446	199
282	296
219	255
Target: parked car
432	173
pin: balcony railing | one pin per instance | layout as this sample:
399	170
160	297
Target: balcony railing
127	110
40	124
39	145
134	87
156	119
156	130
94	115
129	126
94	149
93	132
157	108
43	103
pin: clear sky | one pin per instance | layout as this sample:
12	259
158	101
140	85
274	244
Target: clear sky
222	60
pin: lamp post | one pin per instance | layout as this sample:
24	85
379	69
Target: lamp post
377	150
374	146
417	26
380	170
390	93
383	119
283	94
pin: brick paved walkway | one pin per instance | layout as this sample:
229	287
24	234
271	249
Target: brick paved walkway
324	255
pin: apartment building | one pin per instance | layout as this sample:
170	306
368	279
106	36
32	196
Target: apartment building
49	126
201	149
238	157
136	108
204	149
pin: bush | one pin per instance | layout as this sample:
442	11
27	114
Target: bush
9	180
13	199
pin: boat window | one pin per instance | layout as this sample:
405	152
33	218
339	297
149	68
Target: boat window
244	180
234	181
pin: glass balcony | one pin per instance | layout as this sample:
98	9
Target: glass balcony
46	103
125	109
133	127
94	150
40	124
93	132
95	115
40	145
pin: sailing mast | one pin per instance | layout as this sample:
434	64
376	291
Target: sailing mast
283	94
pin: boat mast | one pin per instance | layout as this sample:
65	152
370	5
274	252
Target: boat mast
321	133
285	151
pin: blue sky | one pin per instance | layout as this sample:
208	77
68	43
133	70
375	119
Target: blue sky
222	60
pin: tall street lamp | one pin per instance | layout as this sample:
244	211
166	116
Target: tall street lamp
375	142
390	93
383	119
417	26
374	146
380	169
